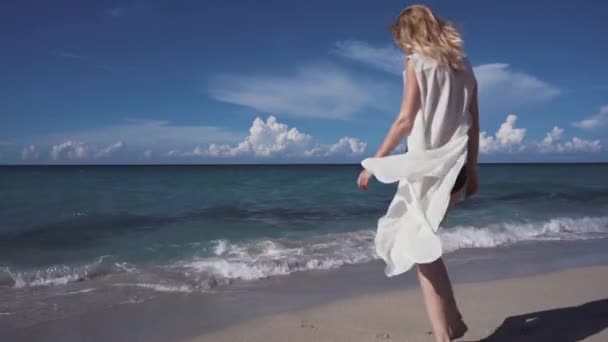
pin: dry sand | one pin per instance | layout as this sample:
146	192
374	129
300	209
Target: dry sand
568	305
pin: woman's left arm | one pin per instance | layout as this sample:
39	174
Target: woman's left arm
404	122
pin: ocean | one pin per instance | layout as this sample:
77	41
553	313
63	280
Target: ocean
76	236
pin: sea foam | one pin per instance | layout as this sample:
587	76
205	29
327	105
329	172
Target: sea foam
227	261
62	274
265	258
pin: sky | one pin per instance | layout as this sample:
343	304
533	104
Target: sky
214	81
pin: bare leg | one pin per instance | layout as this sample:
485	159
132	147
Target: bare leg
441	306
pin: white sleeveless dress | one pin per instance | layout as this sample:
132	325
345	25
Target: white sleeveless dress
426	173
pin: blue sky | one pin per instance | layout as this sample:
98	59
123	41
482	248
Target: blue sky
282	81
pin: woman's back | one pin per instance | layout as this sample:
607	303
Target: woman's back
445	98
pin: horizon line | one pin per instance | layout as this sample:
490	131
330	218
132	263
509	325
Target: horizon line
279	164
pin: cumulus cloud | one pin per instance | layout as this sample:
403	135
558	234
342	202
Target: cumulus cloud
346	146
145	134
30	153
553	135
70	149
580	145
595	121
324	91
271	138
76	150
551	143
508	138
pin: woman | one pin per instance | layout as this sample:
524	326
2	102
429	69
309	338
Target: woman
440	114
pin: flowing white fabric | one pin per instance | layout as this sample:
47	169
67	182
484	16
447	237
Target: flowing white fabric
426	173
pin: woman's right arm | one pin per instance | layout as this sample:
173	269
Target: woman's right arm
473	146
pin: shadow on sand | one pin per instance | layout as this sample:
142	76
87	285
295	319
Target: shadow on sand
569	324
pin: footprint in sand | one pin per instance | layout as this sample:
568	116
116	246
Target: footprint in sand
306	324
383	336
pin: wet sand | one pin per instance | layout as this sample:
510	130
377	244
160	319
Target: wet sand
567	305
523	292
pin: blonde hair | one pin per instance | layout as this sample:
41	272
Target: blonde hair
418	29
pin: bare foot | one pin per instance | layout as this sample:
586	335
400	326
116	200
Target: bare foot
458	329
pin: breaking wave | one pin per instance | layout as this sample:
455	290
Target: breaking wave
228	261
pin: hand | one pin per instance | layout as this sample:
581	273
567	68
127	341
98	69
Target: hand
363	180
472	184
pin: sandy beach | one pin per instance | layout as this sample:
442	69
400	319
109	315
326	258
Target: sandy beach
551	291
567	305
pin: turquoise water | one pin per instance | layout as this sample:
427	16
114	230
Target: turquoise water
193	228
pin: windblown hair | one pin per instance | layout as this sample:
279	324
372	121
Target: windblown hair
418	29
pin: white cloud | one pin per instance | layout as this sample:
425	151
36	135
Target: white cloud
346	146
507	134
500	87
109	150
386	58
598	120
77	150
580	145
512	84
145	134
554	134
70	149
328	91
507	138
324	91
30	153
551	143
271	138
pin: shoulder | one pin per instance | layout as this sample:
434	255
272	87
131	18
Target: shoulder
413	67
413	63
421	62
415	58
